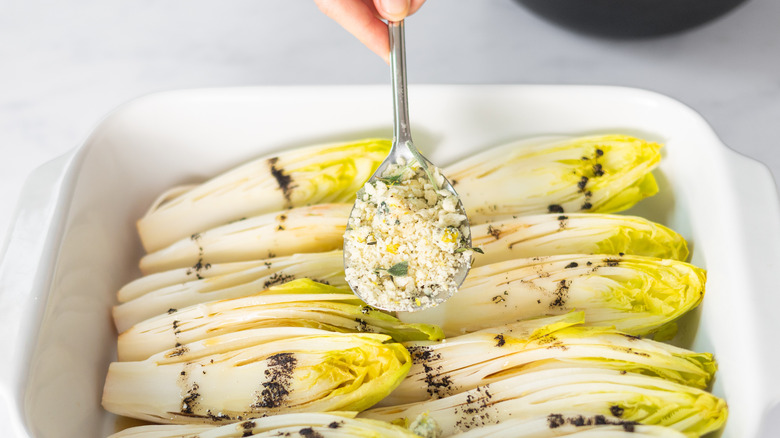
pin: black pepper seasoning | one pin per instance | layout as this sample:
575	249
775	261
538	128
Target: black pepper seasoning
282	180
279	374
554	208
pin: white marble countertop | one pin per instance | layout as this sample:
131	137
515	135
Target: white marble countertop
67	64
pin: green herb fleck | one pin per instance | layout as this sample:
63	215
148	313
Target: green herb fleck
396	179
466	248
392	179
397	270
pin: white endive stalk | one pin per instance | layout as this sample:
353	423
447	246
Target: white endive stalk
299	303
159	280
311	175
321	425
635	294
572	425
206	320
598	174
257	277
164	431
462	363
315	373
234	341
317	228
576	233
613	395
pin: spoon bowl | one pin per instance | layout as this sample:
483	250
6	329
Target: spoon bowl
403	148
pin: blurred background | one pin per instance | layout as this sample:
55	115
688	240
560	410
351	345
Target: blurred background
65	65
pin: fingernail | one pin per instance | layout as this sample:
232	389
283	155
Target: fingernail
395	9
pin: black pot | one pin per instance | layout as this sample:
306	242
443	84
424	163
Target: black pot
630	18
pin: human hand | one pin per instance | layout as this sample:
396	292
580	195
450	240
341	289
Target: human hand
363	19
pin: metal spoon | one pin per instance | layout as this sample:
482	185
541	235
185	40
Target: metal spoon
403	147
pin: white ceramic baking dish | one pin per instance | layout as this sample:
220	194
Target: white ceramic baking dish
73	243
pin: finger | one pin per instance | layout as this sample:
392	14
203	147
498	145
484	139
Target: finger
393	10
359	19
414	5
370	5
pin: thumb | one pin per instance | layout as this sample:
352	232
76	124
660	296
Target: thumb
393	10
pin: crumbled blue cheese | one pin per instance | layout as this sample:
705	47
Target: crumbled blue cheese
405	240
425	426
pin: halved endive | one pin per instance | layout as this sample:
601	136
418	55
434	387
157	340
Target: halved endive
597	174
572	425
299	303
462	363
635	294
317	425
311	175
316	228
176	289
617	396
575	233
315	373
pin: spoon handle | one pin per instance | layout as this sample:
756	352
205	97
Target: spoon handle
401	131
402	134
